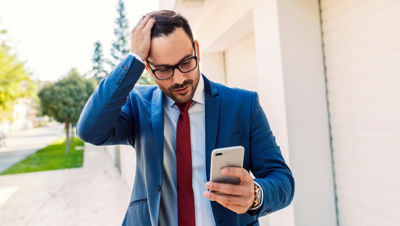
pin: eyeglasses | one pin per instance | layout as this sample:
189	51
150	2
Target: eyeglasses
166	72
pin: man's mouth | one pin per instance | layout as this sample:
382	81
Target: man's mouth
182	90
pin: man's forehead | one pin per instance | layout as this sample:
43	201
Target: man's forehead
170	49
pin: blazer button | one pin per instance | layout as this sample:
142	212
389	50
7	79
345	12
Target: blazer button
159	188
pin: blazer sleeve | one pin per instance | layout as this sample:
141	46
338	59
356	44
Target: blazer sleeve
107	117
268	165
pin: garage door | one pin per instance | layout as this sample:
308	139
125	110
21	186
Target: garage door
240	64
362	50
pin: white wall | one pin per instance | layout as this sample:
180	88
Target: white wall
292	91
241	64
125	161
212	65
362	51
128	164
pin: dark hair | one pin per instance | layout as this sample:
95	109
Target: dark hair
166	23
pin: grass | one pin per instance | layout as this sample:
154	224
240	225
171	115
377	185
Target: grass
51	157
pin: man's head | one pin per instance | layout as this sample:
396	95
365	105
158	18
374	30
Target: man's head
172	44
167	21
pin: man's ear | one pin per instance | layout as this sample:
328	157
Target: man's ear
148	69
197	49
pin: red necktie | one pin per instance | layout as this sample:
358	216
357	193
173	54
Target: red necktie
186	215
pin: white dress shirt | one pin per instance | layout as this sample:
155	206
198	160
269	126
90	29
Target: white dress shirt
168	206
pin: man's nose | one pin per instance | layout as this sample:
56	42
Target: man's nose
178	77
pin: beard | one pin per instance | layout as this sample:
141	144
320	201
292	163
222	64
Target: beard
180	86
189	84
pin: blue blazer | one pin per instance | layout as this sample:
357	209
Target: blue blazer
118	112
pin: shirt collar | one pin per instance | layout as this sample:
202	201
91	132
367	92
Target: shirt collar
198	96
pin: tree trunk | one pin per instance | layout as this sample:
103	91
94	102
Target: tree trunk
67	138
72	133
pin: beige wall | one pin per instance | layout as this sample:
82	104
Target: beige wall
291	72
362	48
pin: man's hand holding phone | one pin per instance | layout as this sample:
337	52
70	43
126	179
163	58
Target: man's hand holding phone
230	185
238	198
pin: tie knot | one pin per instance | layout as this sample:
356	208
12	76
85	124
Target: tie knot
184	107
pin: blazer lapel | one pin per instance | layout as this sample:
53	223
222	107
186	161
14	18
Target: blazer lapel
212	105
157	119
222	216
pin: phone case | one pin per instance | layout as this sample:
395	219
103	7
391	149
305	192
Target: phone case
222	157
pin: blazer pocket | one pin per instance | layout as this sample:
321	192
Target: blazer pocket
137	214
137	201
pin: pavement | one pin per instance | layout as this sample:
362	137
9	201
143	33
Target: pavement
25	142
92	195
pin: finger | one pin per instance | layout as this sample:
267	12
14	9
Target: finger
149	24
233	207
236	172
144	22
226	200
230	189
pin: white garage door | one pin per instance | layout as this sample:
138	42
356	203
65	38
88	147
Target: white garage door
240	64
362	49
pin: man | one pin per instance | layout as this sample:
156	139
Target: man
175	125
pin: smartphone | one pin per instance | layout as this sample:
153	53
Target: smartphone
223	157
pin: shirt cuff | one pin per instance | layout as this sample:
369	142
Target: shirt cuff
136	56
260	197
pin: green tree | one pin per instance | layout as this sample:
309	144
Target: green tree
146	79
120	48
98	60
120	45
15	81
65	99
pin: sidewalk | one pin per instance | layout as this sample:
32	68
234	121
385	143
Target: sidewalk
92	195
25	142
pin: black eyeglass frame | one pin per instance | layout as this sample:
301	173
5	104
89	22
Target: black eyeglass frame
176	66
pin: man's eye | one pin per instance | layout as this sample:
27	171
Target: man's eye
162	69
185	63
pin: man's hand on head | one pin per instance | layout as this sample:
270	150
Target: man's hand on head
238	198
141	37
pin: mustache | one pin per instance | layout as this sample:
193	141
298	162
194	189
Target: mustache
180	86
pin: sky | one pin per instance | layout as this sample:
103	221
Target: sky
53	36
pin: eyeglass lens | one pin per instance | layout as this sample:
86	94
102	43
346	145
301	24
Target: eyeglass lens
184	67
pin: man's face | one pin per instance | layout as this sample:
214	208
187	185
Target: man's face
168	51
